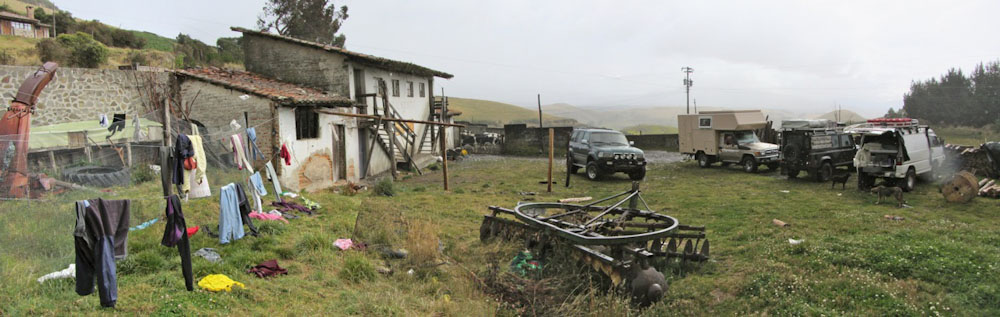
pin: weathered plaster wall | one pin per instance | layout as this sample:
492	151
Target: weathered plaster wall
314	160
78	94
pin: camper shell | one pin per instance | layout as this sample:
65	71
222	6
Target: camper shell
727	137
896	150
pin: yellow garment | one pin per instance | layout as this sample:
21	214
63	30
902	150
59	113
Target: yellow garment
218	282
199	157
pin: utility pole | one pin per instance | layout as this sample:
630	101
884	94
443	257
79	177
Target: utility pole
539	110
687	84
696	105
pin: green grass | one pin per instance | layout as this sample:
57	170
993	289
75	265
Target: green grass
649	129
497	114
942	259
968	136
156	42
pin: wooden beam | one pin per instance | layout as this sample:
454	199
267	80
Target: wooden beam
552	134
444	159
128	151
365	116
52	160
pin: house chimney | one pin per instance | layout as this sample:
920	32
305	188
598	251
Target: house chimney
31	12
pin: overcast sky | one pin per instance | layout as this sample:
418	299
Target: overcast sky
804	56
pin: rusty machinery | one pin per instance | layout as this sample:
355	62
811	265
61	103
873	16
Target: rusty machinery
14	128
619	240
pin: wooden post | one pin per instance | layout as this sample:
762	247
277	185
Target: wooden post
166	123
52	160
539	110
246	121
552	137
444	161
86	147
392	146
128	151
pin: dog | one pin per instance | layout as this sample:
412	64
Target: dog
884	191
841	178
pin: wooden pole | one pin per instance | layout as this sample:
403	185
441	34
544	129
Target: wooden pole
86	147
444	161
539	110
552	137
52	160
166	124
392	146
128	151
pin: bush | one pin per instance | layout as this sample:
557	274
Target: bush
137	58
49	50
142	174
79	50
6	57
126	38
384	188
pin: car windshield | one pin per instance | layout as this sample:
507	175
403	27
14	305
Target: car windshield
608	137
746	137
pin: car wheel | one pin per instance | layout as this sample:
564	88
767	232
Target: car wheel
703	160
910	180
637	176
592	172
569	165
749	164
793	173
824	172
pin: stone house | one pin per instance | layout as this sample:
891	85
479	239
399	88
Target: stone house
23	25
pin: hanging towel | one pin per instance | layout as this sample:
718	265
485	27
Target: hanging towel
100	238
239	157
258	184
199	186
230	225
254	150
274	179
285	155
175	234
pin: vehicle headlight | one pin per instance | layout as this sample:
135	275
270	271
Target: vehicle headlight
639	156
604	154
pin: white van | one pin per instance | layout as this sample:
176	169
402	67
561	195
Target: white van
896	150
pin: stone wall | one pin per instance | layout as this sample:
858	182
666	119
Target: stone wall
297	64
655	141
519	139
77	94
216	106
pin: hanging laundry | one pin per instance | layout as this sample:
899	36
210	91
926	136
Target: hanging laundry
209	254
101	237
258	184
254	150
182	151
230	225
273	177
199	187
239	156
245	210
144	225
175	234
117	123
103	120
267	269
218	282
67	273
267	216
285	155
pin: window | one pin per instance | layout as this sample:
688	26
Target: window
705	122
20	25
409	89
377	81
422	93
395	87
306	123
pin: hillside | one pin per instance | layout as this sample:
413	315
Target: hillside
496	114
23	51
649	129
621	117
846	116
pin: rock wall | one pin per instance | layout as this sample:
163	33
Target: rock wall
77	94
519	139
655	141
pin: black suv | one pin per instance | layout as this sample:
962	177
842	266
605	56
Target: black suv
604	152
815	146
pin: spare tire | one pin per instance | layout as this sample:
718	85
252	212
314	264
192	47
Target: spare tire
97	176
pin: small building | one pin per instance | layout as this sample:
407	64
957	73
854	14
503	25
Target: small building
24	25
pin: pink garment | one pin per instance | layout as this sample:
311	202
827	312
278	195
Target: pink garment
343	244
254	214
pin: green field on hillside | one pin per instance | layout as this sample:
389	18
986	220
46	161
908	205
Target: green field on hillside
497	114
940	259
968	136
649	129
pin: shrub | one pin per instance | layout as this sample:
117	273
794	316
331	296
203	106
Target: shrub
79	49
49	50
137	58
142	174
6	57
384	188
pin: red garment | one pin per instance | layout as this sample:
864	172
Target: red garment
285	155
192	230
267	268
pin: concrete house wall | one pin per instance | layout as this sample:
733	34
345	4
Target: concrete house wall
314	163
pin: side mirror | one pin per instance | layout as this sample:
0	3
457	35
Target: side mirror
631	142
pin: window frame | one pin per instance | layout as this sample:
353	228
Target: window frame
423	90
409	88
395	87
306	123
701	120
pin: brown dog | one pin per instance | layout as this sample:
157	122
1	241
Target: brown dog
840	178
884	191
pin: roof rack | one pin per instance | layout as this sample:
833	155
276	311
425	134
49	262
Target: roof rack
894	122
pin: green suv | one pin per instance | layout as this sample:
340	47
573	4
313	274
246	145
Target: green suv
603	152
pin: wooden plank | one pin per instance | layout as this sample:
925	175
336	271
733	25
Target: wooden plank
354	115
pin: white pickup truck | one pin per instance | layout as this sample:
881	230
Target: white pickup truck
896	150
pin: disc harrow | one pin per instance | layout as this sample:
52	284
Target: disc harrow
619	240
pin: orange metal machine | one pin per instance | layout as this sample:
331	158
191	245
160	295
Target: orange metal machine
14	128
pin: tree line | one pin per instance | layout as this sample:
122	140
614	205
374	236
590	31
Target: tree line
956	98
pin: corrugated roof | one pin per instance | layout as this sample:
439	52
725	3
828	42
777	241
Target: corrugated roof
393	65
282	92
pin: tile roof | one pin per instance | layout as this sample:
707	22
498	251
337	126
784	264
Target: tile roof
4	15
279	91
393	65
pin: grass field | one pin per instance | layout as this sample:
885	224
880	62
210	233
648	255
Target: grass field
942	259
968	136
497	113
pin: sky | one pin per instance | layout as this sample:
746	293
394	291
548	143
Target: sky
803	56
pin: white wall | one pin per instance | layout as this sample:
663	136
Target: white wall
302	149
414	108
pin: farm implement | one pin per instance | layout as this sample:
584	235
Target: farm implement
619	240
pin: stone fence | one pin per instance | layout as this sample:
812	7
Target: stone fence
655	141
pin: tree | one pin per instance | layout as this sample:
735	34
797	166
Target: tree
311	20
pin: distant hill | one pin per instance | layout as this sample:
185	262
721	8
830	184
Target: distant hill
649	129
621	117
846	116
496	114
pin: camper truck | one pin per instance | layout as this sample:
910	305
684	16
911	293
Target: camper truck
727	137
896	150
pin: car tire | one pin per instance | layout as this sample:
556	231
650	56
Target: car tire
703	161
793	173
824	172
593	172
569	165
637	176
909	181
749	164
98	176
